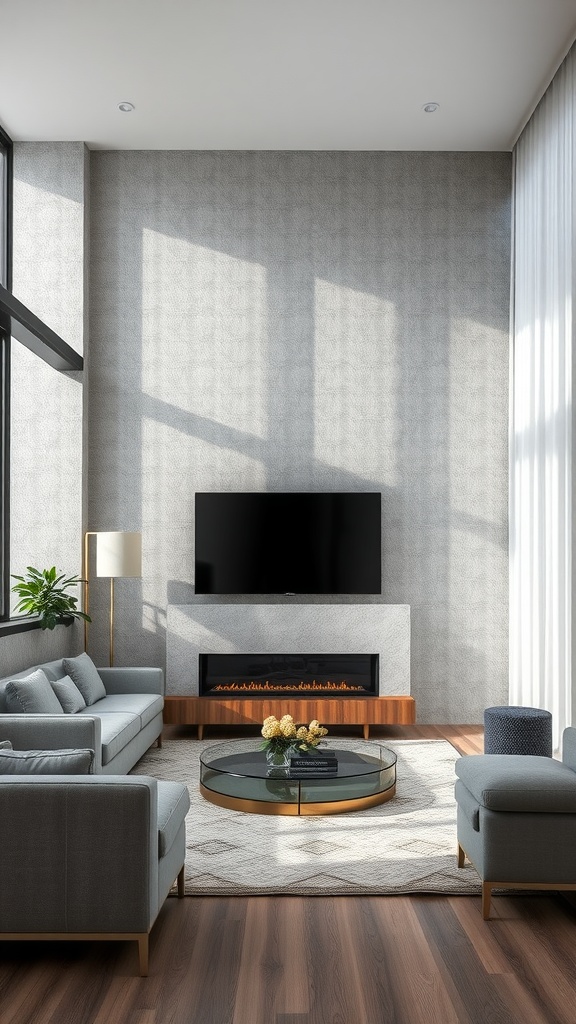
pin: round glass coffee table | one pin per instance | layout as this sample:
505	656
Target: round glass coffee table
236	776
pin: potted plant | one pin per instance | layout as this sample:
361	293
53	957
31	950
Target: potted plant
43	593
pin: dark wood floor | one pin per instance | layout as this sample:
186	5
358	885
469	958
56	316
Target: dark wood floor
322	960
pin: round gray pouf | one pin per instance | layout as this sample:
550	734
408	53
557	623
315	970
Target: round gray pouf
511	730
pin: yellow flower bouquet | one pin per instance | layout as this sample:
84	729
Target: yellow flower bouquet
282	735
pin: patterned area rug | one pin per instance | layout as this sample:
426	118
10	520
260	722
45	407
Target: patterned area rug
403	846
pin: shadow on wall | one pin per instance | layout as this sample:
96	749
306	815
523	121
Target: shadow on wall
310	321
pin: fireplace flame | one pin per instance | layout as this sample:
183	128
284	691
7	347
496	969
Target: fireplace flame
268	687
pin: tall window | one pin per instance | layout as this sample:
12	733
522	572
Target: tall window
37	394
6	281
542	512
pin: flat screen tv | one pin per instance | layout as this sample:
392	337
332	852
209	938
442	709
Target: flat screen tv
296	543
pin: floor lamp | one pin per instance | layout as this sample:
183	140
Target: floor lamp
119	556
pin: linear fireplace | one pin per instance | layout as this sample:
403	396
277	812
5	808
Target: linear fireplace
288	675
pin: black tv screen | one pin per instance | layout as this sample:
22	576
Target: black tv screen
297	543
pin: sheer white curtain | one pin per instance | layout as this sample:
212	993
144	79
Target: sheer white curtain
542	419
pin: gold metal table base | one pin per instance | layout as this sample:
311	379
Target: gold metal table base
238	803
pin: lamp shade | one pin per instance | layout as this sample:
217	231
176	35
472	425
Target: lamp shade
119	554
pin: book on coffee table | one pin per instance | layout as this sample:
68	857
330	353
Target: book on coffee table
316	761
303	766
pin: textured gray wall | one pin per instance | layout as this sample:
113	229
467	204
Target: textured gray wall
309	321
50	189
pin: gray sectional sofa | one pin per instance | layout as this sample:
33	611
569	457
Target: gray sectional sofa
119	727
85	856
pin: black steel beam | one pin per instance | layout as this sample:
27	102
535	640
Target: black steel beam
19	322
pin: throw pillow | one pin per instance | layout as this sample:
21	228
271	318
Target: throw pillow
84	674
32	695
47	762
69	695
5	745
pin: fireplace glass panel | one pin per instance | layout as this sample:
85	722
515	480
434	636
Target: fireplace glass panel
288	675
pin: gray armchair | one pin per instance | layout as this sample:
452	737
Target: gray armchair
516	819
89	857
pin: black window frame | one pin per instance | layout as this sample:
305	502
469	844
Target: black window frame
6	184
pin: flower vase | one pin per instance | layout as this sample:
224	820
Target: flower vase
278	757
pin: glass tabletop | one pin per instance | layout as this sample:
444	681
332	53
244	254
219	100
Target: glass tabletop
244	759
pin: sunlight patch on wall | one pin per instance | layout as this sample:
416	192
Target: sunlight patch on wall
476	443
174	467
477	493
45	466
204	331
356	380
56	267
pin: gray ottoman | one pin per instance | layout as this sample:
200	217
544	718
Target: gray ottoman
513	730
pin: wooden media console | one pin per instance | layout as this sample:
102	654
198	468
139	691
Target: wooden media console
361	711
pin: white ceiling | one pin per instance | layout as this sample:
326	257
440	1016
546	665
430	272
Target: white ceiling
278	74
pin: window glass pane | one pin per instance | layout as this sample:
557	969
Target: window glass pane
4	569
45	499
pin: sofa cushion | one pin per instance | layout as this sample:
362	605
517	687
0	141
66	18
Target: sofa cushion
173	805
145	705
32	695
46	762
69	695
84	674
117	730
519	782
52	669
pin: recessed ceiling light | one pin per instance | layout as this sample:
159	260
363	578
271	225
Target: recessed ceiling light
429	108
126	106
